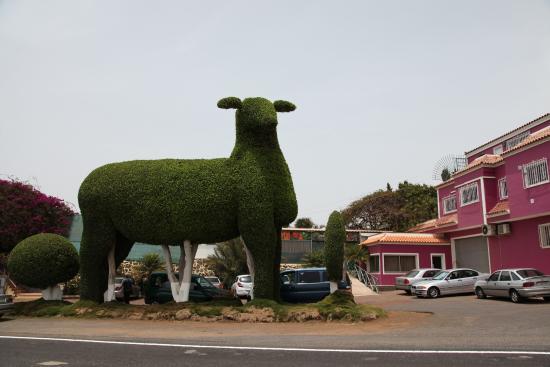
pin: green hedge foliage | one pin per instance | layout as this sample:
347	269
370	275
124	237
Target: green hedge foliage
205	201
43	260
335	237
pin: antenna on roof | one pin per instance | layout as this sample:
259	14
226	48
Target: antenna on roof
448	165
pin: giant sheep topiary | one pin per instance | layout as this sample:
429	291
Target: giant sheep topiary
187	202
43	261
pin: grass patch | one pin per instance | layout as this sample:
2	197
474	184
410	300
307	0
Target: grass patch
338	306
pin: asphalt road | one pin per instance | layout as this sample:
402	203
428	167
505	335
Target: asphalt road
62	353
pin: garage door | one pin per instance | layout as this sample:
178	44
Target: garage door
472	253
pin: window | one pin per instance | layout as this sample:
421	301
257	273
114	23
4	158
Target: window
515	276
399	263
498	149
310	277
544	234
455	275
374	263
469	194
535	173
430	273
505	276
468	273
503	188
516	140
494	276
449	204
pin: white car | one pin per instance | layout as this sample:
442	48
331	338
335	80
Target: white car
414	276
450	281
242	286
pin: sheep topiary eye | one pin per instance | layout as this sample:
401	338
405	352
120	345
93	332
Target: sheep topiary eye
230	102
284	106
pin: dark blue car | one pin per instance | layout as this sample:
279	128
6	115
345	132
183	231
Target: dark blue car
306	285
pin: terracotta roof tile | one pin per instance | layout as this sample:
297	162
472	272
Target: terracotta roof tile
501	208
405	238
484	160
534	137
446	220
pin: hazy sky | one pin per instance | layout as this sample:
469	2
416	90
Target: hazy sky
384	89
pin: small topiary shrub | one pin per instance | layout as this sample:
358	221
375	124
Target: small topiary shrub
43	261
335	237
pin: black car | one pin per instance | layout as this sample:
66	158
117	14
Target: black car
158	289
306	285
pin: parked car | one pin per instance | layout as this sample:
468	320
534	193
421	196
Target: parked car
242	286
158	289
119	291
6	302
451	281
414	276
215	281
517	284
306	285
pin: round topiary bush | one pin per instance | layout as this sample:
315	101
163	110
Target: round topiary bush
43	261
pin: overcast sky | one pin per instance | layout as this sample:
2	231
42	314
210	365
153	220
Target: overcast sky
383	89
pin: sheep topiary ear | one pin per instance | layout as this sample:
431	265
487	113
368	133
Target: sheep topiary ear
230	102
284	106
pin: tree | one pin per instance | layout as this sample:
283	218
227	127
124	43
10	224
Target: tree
445	174
304	223
228	261
315	259
150	263
25	211
396	210
388	187
43	261
335	238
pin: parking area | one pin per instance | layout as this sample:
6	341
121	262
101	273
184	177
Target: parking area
460	316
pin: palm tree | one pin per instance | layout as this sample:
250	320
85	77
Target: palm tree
228	261
150	263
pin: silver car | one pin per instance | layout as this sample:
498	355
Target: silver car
414	276
451	281
517	284
6	302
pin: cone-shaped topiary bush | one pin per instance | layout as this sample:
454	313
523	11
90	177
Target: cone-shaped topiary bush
43	261
335	237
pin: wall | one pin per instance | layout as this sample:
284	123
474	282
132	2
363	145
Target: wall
521	248
424	259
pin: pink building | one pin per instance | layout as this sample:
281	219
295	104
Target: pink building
496	212
393	254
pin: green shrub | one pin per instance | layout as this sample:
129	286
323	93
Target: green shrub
335	237
205	201
43	260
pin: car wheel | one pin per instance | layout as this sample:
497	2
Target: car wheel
480	294
515	297
408	292
547	298
433	292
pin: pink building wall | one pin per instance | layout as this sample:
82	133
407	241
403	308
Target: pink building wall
521	248
424	252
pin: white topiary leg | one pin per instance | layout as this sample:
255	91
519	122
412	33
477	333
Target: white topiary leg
250	263
333	287
174	283
109	294
187	271
52	293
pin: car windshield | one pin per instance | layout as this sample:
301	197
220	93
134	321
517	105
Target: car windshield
441	275
528	273
411	274
246	279
204	283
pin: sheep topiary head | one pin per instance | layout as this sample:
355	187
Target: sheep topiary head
254	114
43	261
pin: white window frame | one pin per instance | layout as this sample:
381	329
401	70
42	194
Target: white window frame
415	254
544	235
498	150
443	261
466	187
503	188
512	142
445	211
368	264
544	170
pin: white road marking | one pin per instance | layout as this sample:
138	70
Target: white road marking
52	363
227	347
